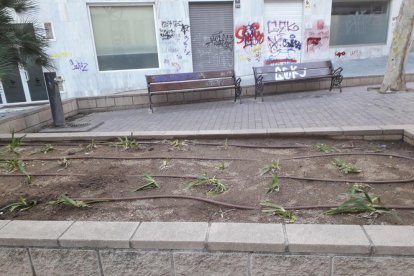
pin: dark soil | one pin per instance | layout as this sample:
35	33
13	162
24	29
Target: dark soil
119	178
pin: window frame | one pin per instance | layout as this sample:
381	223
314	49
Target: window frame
123	4
52	28
389	13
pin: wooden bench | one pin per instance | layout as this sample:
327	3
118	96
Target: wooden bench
294	72
189	82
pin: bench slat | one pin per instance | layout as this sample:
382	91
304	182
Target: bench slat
297	75
189	76
196	84
193	90
293	66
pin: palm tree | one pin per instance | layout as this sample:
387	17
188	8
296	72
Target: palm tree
20	42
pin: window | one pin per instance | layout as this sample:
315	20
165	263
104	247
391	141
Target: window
124	37
359	22
49	33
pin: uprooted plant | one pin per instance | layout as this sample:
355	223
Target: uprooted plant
66	200
165	164
345	167
275	184
272	168
47	148
28	179
217	187
179	144
360	201
126	143
64	163
91	146
14	145
325	148
14	164
21	205
272	209
150	183
222	166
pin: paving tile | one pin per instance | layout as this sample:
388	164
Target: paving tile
391	239
99	234
246	237
33	233
170	235
317	238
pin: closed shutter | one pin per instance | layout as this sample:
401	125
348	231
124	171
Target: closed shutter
212	39
283	30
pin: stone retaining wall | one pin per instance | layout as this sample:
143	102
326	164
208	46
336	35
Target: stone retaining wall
35	118
199	248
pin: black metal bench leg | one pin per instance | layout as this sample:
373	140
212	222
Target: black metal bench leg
237	90
259	86
337	78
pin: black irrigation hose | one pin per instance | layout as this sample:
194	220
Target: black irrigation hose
349	154
391	181
311	207
63	144
205	158
220	203
130	158
252	146
214	202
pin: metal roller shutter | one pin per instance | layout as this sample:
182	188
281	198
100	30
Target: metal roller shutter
283	29
212	41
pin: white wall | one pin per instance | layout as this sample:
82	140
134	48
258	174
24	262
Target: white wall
74	42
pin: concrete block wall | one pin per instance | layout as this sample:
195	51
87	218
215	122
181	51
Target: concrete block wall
35	118
199	248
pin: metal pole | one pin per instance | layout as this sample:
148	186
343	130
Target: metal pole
54	99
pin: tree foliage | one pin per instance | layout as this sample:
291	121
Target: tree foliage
21	42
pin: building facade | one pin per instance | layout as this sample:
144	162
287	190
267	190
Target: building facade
106	46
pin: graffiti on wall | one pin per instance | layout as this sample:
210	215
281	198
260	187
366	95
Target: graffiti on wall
340	54
250	40
283	42
357	53
171	28
249	35
221	40
289	73
216	49
63	54
175	43
317	40
252	54
78	65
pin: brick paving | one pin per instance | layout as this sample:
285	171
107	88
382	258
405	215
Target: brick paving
354	107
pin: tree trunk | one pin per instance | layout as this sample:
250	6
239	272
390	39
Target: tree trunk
394	78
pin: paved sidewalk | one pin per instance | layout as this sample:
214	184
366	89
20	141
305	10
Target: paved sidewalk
354	107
